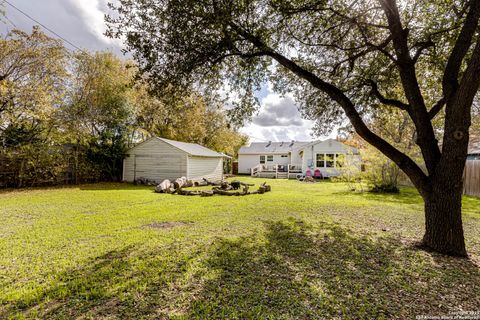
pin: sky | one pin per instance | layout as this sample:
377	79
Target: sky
82	23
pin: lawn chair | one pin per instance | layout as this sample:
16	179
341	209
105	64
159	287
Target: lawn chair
308	173
317	174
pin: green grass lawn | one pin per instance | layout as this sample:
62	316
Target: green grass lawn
303	251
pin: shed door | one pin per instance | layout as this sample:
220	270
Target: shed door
158	168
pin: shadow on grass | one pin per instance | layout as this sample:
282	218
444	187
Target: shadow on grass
405	196
293	271
325	273
84	187
120	284
113	186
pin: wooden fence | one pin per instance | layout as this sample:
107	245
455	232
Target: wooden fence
471	178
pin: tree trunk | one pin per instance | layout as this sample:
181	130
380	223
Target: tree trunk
443	218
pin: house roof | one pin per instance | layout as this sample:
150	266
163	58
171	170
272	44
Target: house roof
283	147
352	149
192	148
271	147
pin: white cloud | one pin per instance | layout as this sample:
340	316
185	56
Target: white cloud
278	111
279	120
79	21
93	14
259	133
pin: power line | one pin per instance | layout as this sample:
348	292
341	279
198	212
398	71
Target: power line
44	26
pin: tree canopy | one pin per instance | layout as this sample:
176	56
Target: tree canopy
346	43
32	71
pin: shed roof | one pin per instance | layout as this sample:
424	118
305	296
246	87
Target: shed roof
271	147
190	148
193	148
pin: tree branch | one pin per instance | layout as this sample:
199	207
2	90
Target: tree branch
4	105
437	107
384	100
416	174
421	47
458	112
237	53
459	51
469	86
406	67
380	47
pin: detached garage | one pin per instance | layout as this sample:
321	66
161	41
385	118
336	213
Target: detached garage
159	159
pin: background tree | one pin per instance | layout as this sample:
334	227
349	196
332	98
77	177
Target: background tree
32	74
188	117
99	109
381	173
33	68
349	52
70	117
475	129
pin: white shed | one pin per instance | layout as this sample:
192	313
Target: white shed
159	159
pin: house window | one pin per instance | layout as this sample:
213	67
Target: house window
262	159
339	160
320	160
330	160
269	158
284	156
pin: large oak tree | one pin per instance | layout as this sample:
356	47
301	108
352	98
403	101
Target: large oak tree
342	58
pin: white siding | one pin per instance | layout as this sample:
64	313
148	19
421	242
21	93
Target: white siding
278	159
128	164
248	161
205	167
156	160
327	147
296	157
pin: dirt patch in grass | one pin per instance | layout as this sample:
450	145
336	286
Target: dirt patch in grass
166	224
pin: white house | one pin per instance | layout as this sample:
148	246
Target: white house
289	159
159	159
